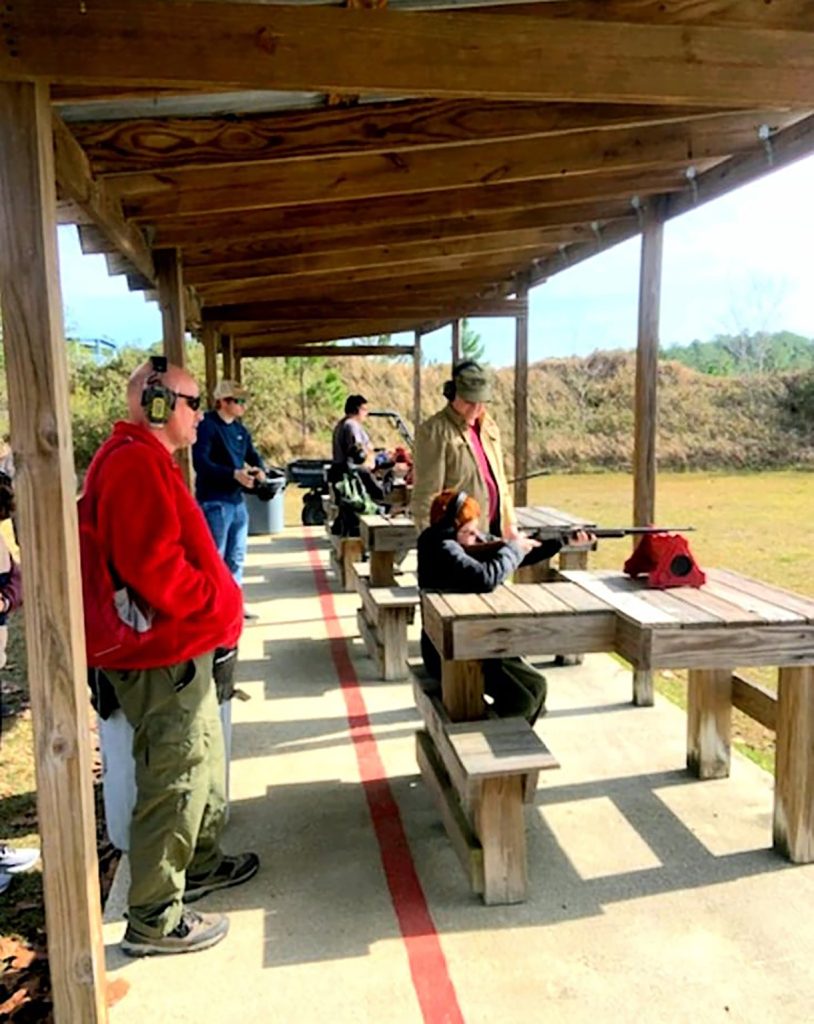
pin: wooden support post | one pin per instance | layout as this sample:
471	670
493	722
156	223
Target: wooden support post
210	343
46	497
521	406
709	722
646	399
456	341
382	568
794	765
173	320
237	368
416	381
462	690
501	829
227	343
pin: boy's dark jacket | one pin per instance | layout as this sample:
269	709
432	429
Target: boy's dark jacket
446	565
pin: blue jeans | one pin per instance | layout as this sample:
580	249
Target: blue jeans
229	524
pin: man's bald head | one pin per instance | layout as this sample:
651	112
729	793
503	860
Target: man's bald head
174	378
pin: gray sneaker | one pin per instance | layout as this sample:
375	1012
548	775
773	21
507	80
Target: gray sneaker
193	932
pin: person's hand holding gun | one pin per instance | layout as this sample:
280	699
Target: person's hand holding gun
248	476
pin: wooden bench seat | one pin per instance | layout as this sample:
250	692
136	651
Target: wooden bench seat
480	774
345	551
383	618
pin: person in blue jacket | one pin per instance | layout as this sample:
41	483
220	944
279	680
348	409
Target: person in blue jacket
226	466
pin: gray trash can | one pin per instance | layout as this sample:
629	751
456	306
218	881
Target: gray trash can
266	516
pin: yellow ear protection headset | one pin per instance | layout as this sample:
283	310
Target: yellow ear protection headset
156	399
451	512
449	390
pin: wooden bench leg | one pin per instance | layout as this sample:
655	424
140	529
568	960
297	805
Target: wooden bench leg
351	551
393	636
643	688
462	690
794	766
709	722
381	569
501	829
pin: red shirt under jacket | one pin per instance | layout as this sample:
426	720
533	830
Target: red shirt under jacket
159	545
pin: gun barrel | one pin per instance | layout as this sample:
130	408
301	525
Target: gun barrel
548	532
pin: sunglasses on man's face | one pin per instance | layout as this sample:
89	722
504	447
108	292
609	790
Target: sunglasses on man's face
238	401
193	401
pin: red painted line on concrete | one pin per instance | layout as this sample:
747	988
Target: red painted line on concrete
428	965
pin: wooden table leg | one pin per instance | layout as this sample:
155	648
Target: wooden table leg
462	690
381	569
709	722
540	572
501	828
794	766
643	688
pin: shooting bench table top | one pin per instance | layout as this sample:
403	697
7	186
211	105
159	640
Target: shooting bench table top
731	621
384	536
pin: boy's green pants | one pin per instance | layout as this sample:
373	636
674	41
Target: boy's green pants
180	785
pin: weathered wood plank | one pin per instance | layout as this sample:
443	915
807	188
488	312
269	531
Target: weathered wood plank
390	212
46	498
754	700
628	598
539	634
709	722
462	689
765	591
77	183
343	178
150	144
464	841
794	766
768	611
499	746
435	617
752	13
501	828
345	50
774	644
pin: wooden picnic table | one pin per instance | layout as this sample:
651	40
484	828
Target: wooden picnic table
383	537
731	621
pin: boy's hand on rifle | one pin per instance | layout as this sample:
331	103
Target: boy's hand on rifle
526	543
579	538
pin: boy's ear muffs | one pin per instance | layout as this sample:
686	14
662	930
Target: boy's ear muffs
452	511
156	399
449	390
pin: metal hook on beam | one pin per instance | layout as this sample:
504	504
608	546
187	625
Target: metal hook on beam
764	133
691	174
597	230
636	203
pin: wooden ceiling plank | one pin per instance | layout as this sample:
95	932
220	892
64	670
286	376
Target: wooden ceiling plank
389	211
748	13
77	184
336	178
327	49
361	236
386	255
150	145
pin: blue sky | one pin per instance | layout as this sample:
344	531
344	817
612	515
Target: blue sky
740	262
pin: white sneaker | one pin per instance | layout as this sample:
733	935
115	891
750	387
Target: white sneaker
15	861
5	881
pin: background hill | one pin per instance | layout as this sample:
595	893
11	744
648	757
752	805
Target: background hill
580	410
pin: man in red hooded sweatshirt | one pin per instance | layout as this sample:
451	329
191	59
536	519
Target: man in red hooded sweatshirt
178	603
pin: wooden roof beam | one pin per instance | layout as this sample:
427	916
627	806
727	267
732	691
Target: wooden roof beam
328	49
745	13
386	255
324	351
134	146
319	219
76	183
336	178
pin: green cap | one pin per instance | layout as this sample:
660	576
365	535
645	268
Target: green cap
472	383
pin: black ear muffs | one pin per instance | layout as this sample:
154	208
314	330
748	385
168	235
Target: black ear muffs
156	399
451	513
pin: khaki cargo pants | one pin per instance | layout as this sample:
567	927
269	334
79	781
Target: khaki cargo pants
180	783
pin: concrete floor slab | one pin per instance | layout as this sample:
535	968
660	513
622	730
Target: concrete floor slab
653	897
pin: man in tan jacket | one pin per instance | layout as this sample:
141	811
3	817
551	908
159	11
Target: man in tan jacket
459	448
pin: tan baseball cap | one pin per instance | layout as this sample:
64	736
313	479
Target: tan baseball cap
229	389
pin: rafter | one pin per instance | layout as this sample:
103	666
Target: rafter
337	178
150	145
328	49
77	184
323	351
